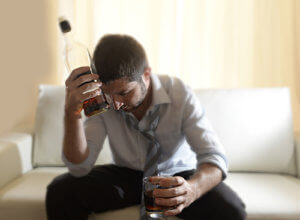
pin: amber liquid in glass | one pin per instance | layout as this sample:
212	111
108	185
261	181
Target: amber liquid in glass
150	202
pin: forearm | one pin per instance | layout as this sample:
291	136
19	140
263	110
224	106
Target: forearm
74	143
205	178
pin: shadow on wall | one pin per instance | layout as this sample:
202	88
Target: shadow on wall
27	46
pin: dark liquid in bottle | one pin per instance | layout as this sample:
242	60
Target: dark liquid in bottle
92	106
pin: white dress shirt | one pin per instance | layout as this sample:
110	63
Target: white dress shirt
185	135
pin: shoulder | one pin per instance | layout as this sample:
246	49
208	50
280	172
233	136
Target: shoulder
177	90
171	82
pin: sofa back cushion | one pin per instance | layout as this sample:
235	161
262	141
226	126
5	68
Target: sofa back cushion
254	125
49	129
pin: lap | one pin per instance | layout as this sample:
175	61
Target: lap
109	187
106	187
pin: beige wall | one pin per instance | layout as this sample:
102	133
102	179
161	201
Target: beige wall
207	43
296	85
29	52
27	58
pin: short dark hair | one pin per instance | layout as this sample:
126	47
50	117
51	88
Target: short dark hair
119	56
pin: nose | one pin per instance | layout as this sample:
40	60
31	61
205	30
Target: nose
117	103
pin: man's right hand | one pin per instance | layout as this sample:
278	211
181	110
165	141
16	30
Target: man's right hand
79	89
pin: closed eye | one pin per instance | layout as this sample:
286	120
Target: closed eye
124	93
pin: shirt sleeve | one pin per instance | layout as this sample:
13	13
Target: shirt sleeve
201	136
95	133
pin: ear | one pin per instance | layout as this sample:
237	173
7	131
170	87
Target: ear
147	74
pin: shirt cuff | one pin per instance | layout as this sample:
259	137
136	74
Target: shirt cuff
216	159
80	169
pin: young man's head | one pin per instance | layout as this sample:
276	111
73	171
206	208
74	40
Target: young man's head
123	69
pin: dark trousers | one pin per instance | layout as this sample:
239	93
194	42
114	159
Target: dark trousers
109	187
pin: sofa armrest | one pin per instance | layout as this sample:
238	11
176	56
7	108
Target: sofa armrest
297	146
15	156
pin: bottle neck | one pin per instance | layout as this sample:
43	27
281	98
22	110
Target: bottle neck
68	37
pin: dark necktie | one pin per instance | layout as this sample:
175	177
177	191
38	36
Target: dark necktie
153	152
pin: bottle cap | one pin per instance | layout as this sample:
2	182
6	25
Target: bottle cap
64	24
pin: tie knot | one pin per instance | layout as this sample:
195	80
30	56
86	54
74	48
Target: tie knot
152	122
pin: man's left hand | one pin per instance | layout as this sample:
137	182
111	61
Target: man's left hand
179	193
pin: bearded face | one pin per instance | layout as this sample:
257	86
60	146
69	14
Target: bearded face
125	95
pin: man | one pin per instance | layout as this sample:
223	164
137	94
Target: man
187	148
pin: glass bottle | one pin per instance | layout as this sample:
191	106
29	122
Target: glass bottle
77	55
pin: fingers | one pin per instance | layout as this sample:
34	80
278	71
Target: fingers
74	74
170	201
89	95
83	80
173	192
174	211
170	192
156	179
89	87
80	76
81	86
167	181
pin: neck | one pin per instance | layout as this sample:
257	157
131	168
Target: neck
142	109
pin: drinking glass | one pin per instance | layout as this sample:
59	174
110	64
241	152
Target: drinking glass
153	210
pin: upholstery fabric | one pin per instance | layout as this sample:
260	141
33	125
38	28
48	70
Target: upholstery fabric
297	151
49	126
15	156
267	196
49	129
255	126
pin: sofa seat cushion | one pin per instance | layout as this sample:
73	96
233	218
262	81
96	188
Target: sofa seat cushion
24	198
267	196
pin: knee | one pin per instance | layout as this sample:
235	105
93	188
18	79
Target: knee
60	202
58	187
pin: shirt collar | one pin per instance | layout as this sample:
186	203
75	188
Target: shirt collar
159	94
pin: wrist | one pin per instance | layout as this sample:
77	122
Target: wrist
196	189
71	114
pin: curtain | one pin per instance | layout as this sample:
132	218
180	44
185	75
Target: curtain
206	43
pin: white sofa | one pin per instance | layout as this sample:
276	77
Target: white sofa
255	126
